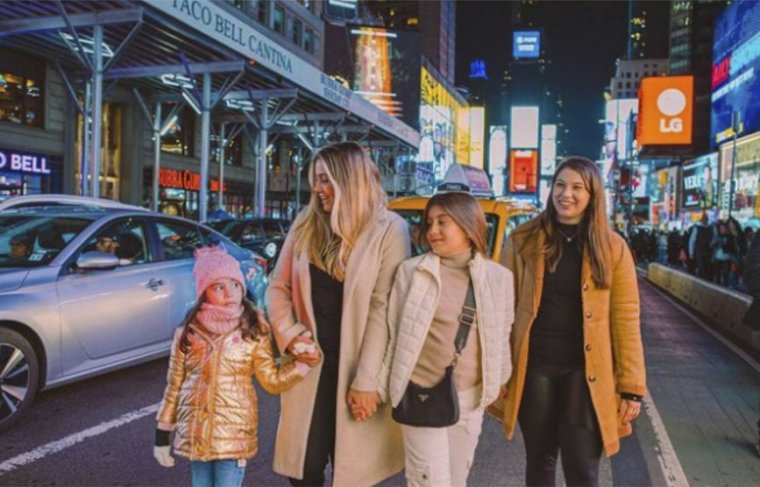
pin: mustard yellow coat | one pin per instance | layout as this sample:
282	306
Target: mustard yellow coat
612	336
209	395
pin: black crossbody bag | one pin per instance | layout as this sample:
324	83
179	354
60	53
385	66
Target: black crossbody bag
438	406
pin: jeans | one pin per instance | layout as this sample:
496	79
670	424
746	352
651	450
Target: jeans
217	473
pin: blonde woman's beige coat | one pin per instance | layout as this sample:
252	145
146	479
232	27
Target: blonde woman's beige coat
365	452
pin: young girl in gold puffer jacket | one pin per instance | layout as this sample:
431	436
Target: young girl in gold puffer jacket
210	402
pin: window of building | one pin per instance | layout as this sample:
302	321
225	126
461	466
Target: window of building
308	40
262	11
179	137
627	85
297	32
233	153
278	19
22	85
620	85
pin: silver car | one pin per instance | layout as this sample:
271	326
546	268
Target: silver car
88	290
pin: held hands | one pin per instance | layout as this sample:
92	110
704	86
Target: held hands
305	350
163	455
628	410
363	404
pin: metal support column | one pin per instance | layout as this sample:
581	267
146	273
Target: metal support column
261	166
97	107
156	155
222	147
205	146
84	167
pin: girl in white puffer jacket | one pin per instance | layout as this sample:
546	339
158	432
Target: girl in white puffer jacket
425	305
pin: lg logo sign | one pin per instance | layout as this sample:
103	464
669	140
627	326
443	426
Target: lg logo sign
671	103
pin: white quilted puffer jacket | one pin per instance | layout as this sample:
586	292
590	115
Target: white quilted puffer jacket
413	302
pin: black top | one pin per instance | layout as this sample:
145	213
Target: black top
327	300
556	338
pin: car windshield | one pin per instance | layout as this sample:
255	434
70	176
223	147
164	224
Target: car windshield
32	240
272	229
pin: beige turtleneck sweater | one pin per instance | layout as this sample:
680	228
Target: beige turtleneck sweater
438	350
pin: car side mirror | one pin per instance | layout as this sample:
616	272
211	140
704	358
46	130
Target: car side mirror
97	261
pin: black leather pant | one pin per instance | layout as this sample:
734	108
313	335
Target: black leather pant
556	415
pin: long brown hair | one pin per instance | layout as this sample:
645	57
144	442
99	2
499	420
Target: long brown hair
465	211
329	238
594	234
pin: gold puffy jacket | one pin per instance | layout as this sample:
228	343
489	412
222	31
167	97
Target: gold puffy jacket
209	397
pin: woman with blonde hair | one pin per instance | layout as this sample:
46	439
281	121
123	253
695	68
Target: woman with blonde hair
329	294
576	344
451	311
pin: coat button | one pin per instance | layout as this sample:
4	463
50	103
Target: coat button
585	287
588	314
588	347
591	378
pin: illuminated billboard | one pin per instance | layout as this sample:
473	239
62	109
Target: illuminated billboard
616	115
666	104
700	182
523	171
477	136
497	156
381	65
524	125
526	44
548	149
735	70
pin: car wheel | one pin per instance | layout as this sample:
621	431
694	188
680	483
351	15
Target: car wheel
19	376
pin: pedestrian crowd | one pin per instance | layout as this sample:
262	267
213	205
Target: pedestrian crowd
386	363
716	252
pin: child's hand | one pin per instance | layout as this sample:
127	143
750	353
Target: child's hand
296	348
163	455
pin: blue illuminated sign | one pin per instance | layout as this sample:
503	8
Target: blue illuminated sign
478	69
23	162
526	44
736	71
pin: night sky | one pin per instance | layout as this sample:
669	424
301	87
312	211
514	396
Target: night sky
582	39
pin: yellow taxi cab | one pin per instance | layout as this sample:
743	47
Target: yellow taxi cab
502	215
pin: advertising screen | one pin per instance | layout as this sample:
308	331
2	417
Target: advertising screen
523	171
736	71
665	110
700	182
548	149
477	136
497	156
526	44
524	125
379	64
616	115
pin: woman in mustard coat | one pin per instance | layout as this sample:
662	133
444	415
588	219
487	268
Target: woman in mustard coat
579	376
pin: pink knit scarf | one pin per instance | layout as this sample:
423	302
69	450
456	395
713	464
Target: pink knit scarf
219	319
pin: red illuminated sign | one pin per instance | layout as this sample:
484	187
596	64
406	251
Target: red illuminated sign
721	71
523	171
189	180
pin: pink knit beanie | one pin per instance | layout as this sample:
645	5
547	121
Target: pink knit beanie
213	263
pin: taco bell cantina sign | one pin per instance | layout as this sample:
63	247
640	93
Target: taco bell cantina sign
23	162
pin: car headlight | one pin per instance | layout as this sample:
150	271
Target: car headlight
270	249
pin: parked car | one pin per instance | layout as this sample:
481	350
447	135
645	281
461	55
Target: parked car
264	236
48	200
85	290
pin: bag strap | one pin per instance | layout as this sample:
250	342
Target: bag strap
466	320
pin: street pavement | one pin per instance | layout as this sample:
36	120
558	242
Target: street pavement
697	426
